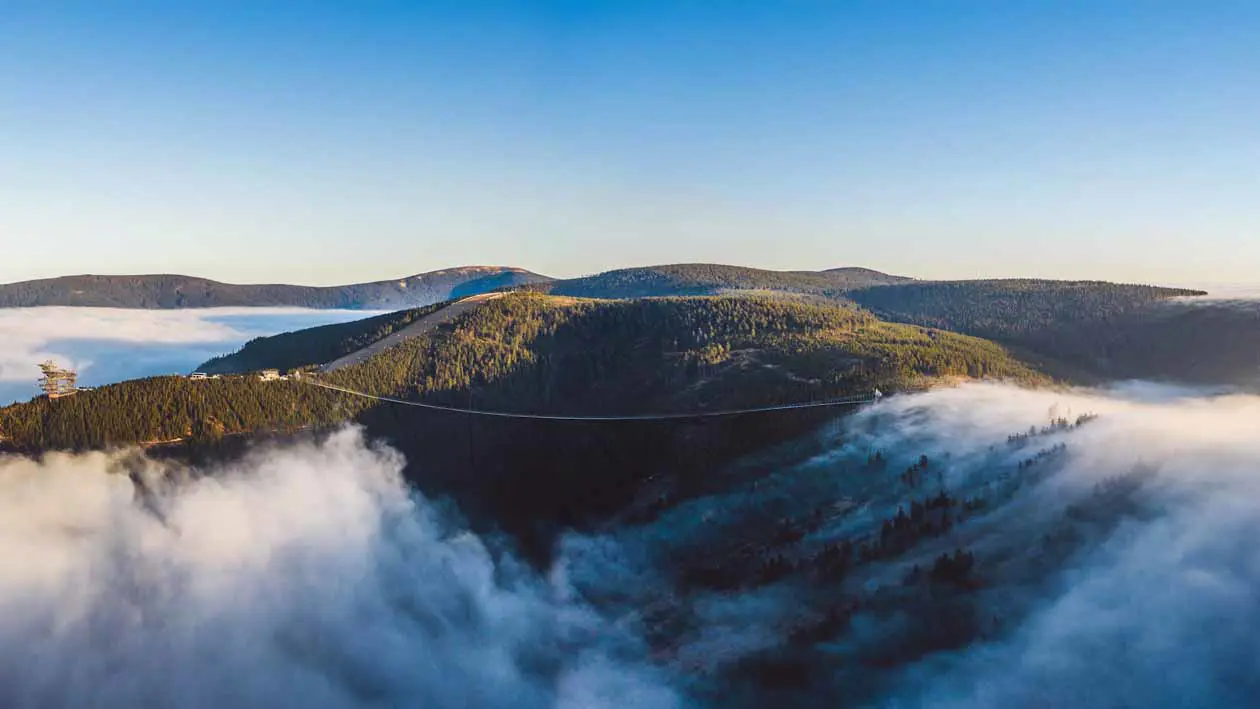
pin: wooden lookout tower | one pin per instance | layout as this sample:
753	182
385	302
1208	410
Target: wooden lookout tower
57	382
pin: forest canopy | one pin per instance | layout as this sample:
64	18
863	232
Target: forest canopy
532	353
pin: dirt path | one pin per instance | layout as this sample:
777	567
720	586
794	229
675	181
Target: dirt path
419	327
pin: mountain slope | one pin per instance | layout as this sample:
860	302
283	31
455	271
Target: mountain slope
1105	330
531	353
174	291
713	279
1084	331
315	345
1008	307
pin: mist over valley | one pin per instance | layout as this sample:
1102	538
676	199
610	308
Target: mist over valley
930	550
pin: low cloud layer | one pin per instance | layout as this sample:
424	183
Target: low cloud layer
1160	612
111	344
1119	571
1228	291
306	577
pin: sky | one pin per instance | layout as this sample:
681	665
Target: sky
325	143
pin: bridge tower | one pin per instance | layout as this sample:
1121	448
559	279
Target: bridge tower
57	382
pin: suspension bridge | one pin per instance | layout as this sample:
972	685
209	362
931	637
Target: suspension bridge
671	416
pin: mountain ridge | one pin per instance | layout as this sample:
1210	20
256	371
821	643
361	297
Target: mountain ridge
175	291
690	279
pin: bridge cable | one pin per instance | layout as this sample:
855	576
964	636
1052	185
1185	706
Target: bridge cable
563	417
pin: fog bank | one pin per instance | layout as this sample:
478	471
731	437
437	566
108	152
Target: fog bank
1115	562
1160	612
308	576
1112	533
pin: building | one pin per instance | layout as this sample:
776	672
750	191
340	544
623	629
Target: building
198	375
57	382
269	375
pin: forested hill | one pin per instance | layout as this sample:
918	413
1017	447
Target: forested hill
315	345
1081	330
712	279
536	353
1010	308
1095	329
174	291
532	353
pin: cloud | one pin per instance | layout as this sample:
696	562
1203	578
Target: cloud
110	344
1119	571
1238	298
1226	291
1159	612
1122	570
309	576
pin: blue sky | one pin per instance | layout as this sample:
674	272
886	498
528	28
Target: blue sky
323	143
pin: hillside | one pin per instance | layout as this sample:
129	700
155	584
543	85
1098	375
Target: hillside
1084	331
174	291
714	279
532	353
1009	308
1098	329
315	345
1201	342
543	354
167	409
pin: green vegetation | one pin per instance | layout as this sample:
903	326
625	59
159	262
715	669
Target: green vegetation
1020	310
316	345
712	279
532	353
1209	343
162	409
1081	329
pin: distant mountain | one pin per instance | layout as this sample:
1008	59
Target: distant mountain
688	279
165	291
1095	329
173	291
1006	308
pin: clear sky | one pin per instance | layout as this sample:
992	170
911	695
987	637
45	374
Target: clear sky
337	142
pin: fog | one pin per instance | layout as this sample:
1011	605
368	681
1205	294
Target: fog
304	577
112	344
1160	611
1123	571
1227	291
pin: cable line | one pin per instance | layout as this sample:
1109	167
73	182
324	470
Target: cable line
633	417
